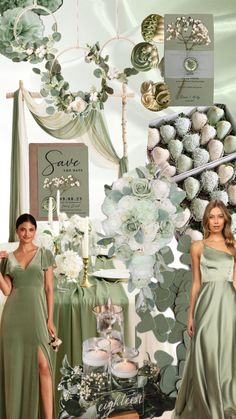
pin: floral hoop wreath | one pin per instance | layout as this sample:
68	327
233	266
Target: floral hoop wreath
37	48
56	89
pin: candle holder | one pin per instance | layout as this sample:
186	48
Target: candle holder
96	355
124	369
85	282
109	316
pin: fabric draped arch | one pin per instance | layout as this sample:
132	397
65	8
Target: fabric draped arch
61	126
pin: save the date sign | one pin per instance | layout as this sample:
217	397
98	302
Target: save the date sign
63	167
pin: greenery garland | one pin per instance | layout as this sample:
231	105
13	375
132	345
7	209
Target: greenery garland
57	91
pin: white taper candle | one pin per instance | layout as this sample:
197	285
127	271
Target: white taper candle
50	210
85	243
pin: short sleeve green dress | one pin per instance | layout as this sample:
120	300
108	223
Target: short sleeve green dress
23	330
208	389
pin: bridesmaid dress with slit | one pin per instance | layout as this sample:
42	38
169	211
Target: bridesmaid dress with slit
208	388
23	332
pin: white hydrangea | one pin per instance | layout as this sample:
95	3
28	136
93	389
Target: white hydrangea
69	264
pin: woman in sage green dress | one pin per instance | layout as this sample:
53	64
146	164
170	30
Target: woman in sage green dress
26	389
208	388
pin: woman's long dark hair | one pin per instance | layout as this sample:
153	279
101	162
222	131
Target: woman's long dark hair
24	218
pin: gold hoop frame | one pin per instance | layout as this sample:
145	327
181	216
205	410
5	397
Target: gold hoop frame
116	38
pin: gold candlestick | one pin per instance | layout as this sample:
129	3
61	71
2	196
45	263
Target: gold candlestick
85	282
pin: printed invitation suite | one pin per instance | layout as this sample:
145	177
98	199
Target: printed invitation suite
189	59
61	167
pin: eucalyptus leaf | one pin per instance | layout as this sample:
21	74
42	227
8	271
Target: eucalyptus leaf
161	323
163	358
98	73
139	236
56	36
140	173
176	334
168	379
105	241
184	244
54	92
181	352
111	251
50	110
115	195
186	259
36	70
147	323
109	90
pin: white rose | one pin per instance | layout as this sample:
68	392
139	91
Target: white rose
78	105
161	189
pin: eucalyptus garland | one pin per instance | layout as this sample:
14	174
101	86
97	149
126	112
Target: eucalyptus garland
56	89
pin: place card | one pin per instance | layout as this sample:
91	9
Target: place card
189	59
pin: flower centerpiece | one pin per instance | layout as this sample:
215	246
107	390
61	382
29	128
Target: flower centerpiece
143	210
65	245
68	266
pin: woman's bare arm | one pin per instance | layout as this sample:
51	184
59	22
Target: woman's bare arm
5	284
49	287
195	252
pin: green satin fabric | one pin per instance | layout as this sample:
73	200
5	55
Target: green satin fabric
75	321
208	389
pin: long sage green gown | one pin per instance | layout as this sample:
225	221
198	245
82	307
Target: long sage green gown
23	331
208	389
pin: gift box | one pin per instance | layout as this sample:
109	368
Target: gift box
197	149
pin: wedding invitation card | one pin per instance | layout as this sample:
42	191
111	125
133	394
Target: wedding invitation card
189	59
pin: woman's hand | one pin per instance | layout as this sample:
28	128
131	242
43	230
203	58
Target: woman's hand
51	328
191	327
3	254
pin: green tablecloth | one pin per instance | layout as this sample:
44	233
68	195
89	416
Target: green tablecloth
75	321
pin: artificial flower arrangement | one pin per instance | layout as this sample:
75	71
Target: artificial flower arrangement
26	41
142	212
65	244
52	5
195	141
81	393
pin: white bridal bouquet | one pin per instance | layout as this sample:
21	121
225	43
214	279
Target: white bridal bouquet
143	210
